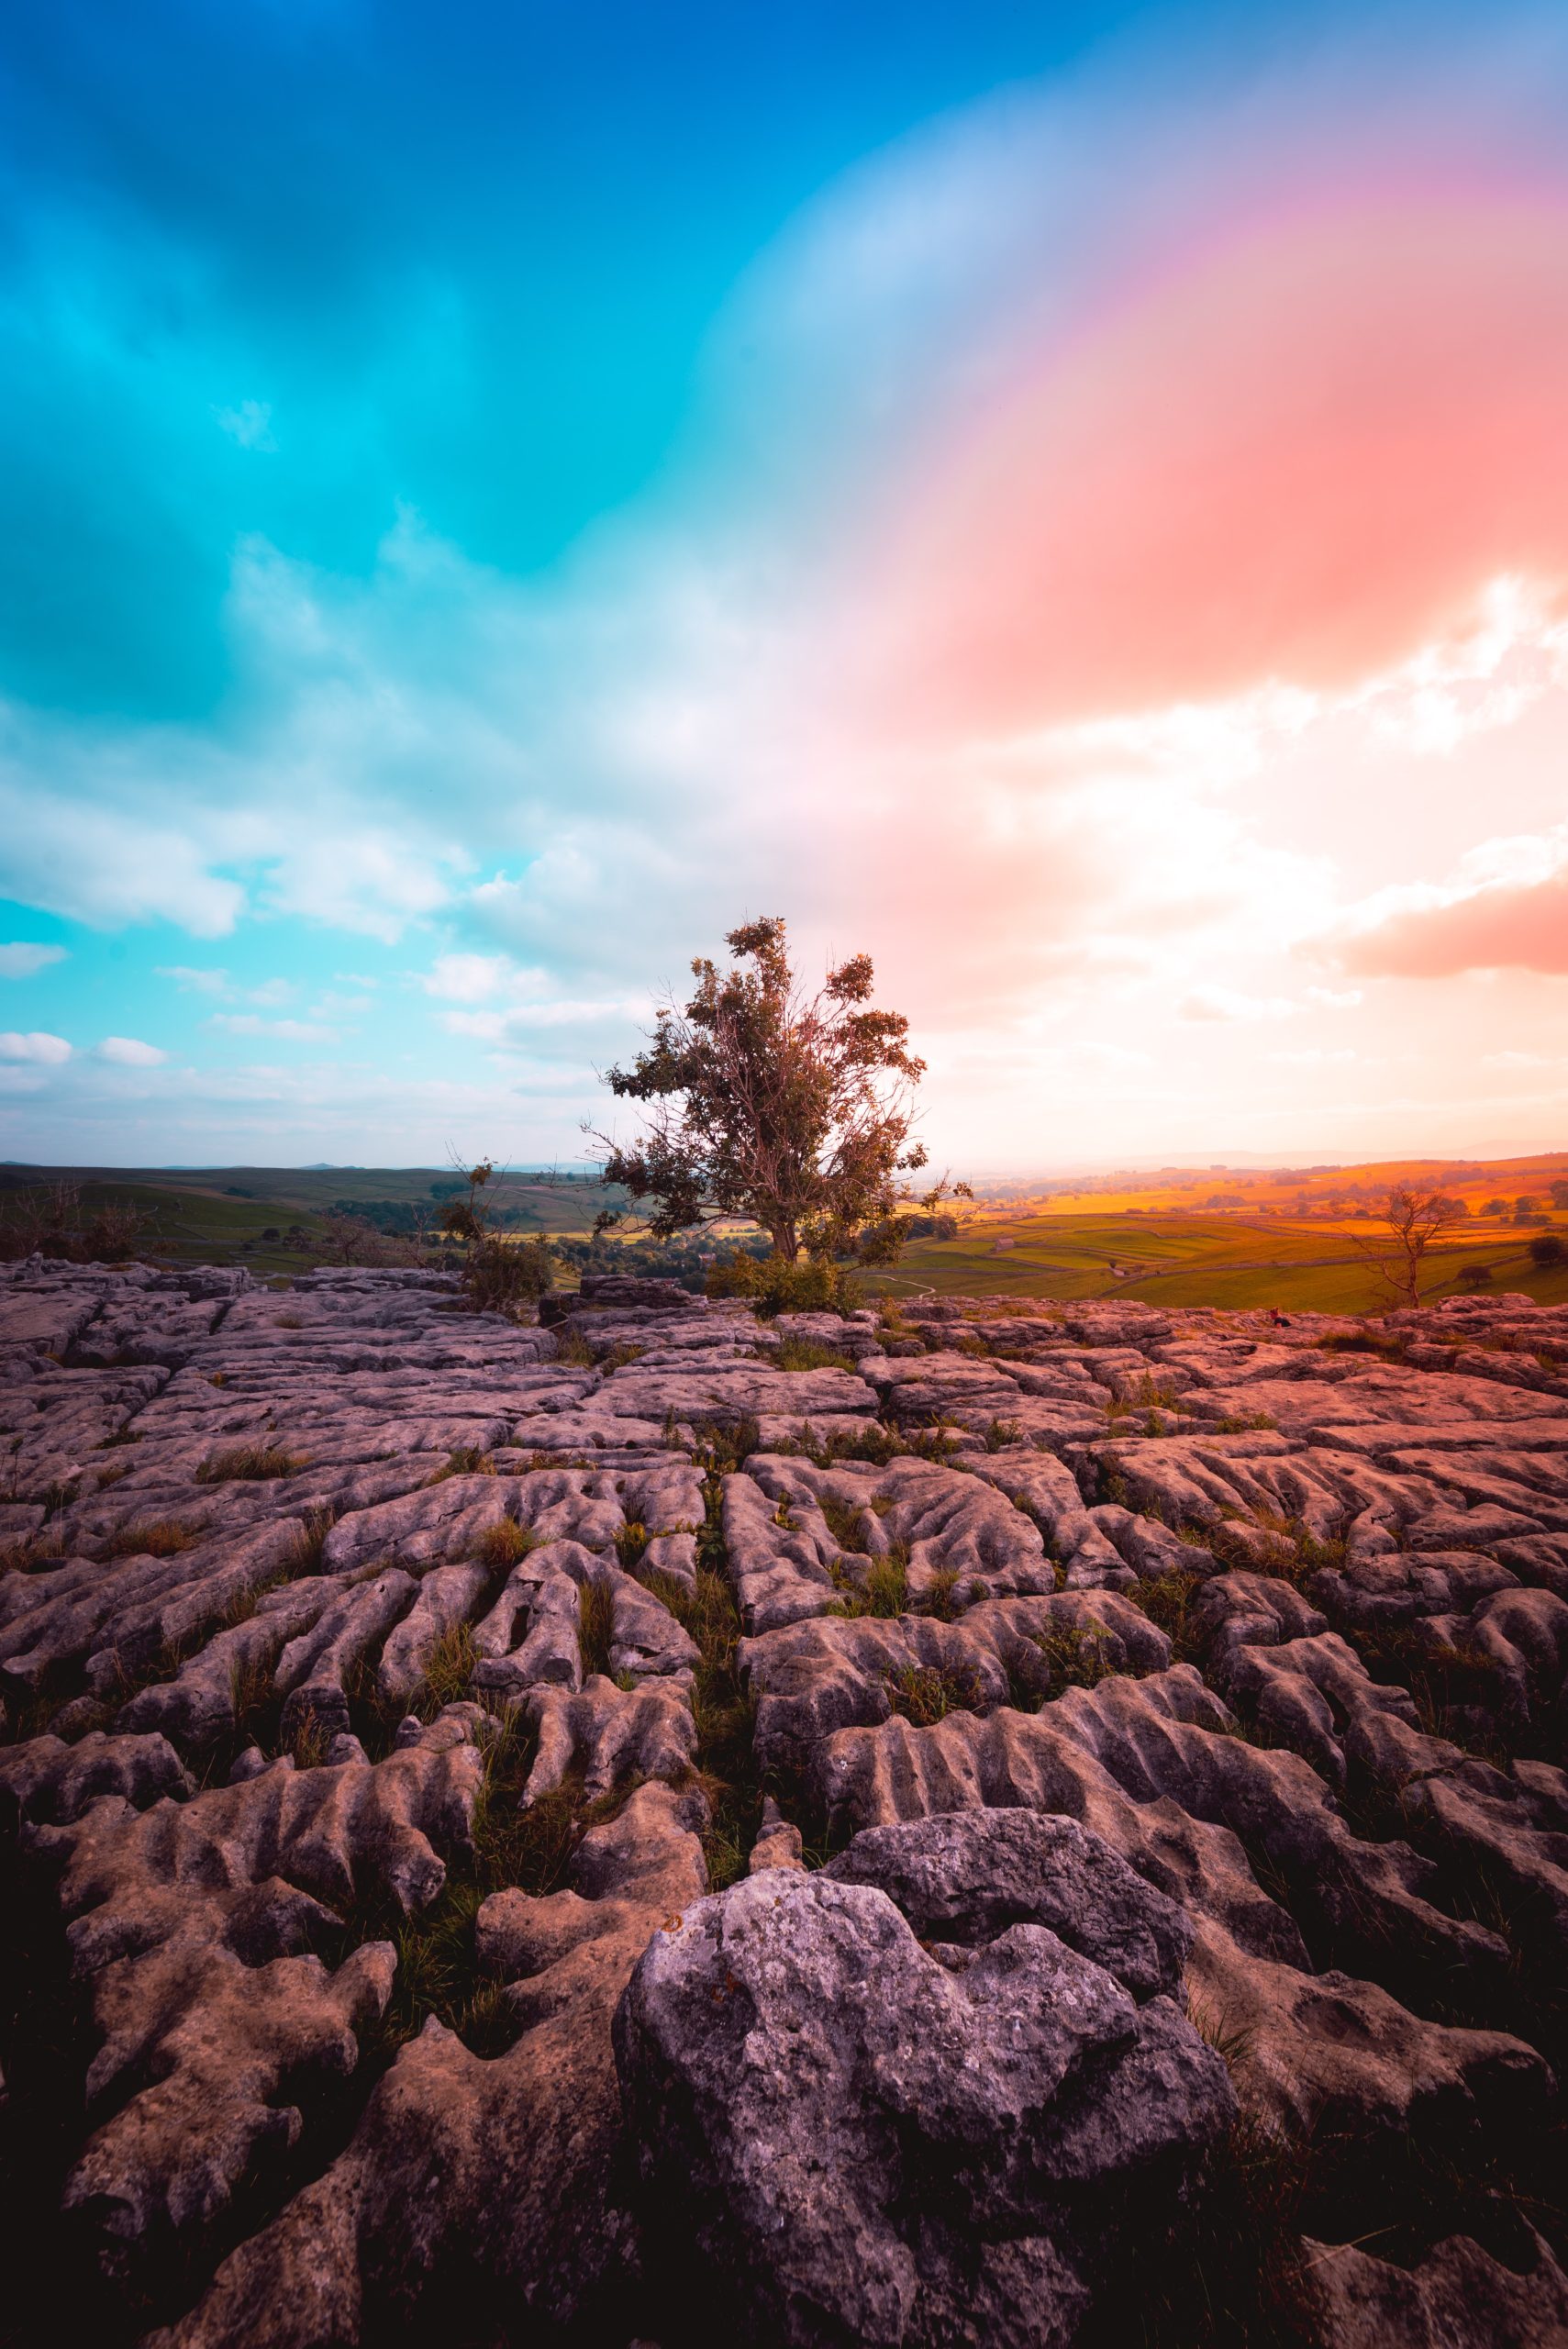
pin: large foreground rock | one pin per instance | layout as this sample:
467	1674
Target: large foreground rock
847	2136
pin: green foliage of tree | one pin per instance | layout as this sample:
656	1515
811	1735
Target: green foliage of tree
1546	1249
762	1099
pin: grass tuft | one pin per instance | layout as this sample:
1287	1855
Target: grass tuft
156	1537
596	1626
925	1694
250	1464
807	1354
467	1461
504	1544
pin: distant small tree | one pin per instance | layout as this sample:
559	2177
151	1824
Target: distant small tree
1546	1249
498	1275
1560	1195
1415	1220
765	1099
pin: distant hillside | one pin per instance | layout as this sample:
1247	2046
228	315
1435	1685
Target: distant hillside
218	1214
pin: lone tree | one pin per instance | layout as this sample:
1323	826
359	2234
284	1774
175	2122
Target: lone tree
768	1101
1415	1220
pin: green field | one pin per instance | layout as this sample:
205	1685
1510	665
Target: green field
1163	1253
1183	1259
216	1214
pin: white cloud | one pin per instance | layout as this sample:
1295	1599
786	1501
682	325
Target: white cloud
331	1006
250	423
22	961
1335	999
129	1051
520	1027
467	978
38	1045
287	1032
1226	1003
194	981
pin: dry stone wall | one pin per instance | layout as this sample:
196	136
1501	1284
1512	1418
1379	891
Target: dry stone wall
1024	1827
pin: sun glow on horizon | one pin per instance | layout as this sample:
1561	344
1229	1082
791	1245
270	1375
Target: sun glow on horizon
1101	545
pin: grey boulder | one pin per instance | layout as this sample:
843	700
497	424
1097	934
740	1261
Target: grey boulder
852	2137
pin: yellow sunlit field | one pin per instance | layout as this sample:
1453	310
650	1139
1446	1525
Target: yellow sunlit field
1288	1239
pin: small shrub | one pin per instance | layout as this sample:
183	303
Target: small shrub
250	1464
631	1541
722	1448
1547	1249
876	1445
1078	1659
772	1285
1001	1433
934	1443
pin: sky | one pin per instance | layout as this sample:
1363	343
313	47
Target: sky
1067	499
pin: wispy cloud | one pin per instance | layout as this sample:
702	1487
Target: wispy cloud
194	981
1227	1003
286	1031
129	1051
21	961
250	423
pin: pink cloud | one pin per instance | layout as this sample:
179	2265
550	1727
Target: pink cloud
1522	927
1296	453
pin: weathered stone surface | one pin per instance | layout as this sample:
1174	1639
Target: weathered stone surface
1195	1663
967	1877
857	2141
1458	2297
494	2180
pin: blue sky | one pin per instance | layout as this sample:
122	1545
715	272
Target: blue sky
456	466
